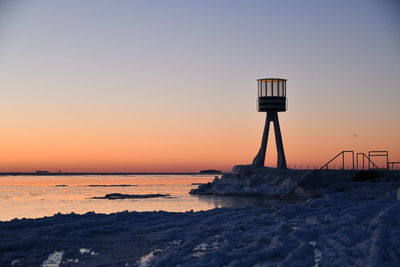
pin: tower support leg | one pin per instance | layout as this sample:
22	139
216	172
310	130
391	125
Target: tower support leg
259	160
279	144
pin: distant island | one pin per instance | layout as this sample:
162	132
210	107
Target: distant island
42	172
210	171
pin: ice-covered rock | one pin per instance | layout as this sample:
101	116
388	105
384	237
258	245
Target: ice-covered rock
247	180
276	183
125	196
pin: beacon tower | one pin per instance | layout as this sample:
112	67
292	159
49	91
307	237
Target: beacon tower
271	99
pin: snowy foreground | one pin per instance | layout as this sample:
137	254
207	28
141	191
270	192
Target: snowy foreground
354	224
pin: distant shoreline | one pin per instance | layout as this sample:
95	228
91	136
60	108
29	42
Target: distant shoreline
100	173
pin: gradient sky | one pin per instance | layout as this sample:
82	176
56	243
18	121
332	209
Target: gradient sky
171	85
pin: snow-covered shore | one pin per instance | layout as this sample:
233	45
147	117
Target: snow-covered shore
354	225
291	183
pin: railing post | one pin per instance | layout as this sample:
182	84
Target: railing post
387	159
369	163
364	161
357	161
342	160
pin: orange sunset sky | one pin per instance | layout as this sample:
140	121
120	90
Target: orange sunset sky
140	86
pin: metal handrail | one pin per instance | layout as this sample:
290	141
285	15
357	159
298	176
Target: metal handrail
379	153
341	153
393	163
371	164
374	166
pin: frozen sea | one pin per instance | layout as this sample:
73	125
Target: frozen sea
342	223
39	196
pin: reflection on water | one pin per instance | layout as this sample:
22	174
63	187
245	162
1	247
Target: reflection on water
38	196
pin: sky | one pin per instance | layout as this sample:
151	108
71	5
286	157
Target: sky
171	85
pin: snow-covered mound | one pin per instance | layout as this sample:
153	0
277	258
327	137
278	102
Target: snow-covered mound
358	227
287	183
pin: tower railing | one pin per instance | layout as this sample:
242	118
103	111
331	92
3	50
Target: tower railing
343	159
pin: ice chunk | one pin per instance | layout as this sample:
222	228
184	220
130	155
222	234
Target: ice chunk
146	259
202	248
16	262
124	196
317	254
54	259
87	251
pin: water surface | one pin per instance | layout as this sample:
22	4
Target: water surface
38	196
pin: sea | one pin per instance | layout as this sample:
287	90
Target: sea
33	196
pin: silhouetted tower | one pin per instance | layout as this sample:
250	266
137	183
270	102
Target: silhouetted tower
271	99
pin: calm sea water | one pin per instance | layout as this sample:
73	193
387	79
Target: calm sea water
38	196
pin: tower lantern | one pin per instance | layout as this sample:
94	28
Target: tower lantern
271	99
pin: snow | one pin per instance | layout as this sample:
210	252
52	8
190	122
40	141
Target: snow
317	254
344	223
283	183
398	194
87	250
54	259
146	259
15	262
